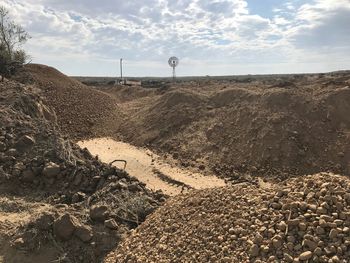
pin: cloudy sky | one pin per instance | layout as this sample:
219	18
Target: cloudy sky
211	37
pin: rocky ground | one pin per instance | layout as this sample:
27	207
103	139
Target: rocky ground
57	202
303	219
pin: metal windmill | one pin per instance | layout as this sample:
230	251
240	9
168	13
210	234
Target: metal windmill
173	62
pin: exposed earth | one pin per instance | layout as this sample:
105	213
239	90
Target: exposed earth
231	169
151	169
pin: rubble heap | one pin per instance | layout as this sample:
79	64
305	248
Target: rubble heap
64	200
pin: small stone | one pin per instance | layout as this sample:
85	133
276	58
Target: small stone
2	147
99	213
84	233
288	257
111	224
302	226
77	179
78	197
121	185
335	259
18	242
305	255
134	187
254	250
258	238
293	222
277	241
272	259
45	221
28	176
309	244
333	233
51	169
282	226
24	143
318	251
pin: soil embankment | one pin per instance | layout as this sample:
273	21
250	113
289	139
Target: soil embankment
290	126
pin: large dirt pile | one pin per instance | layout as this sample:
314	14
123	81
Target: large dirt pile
304	220
81	110
297	125
57	202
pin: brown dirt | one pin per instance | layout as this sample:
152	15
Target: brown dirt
278	127
296	125
80	109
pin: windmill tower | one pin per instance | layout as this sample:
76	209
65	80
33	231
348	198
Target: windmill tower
173	62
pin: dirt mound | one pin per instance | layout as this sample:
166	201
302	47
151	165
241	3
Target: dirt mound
339	107
302	220
127	93
57	202
81	110
260	127
176	98
231	96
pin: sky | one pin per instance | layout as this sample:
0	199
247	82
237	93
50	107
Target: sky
210	37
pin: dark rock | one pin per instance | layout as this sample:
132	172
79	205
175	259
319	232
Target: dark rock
45	221
12	152
2	147
111	224
51	169
100	183
28	175
121	185
78	197
84	233
77	179
134	187
64	226
24	143
99	213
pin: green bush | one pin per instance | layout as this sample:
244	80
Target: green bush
12	37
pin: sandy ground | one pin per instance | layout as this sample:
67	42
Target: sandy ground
150	168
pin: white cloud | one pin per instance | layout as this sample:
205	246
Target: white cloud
220	31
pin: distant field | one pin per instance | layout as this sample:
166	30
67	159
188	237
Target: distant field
88	80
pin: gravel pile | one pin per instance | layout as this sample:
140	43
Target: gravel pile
303	220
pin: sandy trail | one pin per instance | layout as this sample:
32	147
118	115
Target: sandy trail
150	168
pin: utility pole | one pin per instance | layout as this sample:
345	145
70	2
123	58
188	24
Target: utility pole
121	70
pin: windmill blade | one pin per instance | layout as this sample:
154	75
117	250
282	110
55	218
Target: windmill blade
173	61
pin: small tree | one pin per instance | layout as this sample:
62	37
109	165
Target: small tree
12	37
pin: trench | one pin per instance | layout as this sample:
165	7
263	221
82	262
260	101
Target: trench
153	170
